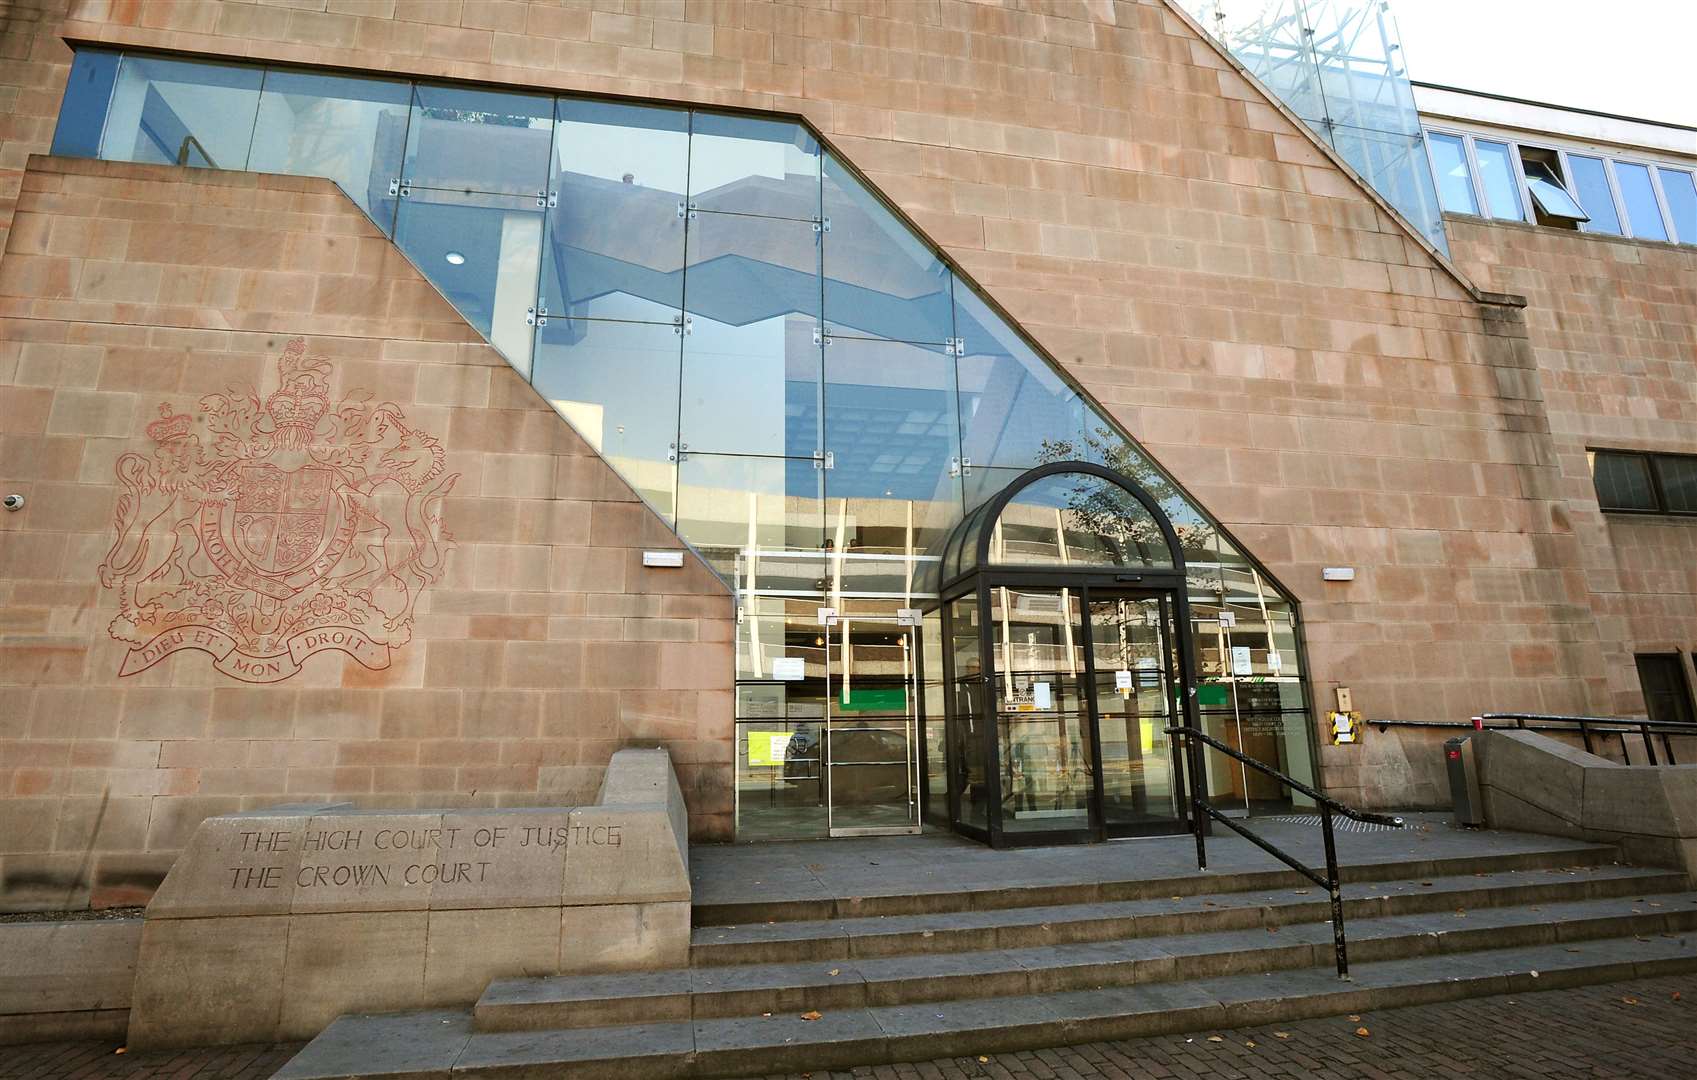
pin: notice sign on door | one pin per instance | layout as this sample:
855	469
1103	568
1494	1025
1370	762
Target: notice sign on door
1041	696
1122	681
1241	664
789	667
767	747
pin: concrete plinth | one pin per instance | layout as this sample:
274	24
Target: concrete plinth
275	922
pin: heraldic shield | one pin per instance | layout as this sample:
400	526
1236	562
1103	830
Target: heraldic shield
263	533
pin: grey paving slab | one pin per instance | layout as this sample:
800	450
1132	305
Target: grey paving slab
393	1046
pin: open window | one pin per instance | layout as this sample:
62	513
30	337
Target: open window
1552	203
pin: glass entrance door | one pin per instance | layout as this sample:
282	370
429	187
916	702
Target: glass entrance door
1135	665
1042	722
871	753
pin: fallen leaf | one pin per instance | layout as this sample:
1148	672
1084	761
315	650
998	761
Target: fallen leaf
1630	1000
1215	1038
812	1014
1675	998
1272	929
835	971
1249	1043
1281	1034
1425	884
1534	974
125	1049
982	1060
1354	1018
1362	1032
1178	898
765	1014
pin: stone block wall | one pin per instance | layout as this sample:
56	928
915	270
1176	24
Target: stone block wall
492	636
1613	327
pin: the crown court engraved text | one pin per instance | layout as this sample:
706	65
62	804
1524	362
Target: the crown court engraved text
303	527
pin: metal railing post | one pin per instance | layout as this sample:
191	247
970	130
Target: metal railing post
1198	807
1649	747
1335	888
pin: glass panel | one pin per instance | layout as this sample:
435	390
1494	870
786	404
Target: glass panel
890	428
1041	719
1679	483
870	751
1623	481
479	140
167	112
615	247
1591	184
88	94
1132	645
1077	519
1547	191
617	382
1496	174
349	130
1015	410
967	749
1643	215
740	165
727	504
481	251
933	692
1680	187
752	365
881	279
1455	182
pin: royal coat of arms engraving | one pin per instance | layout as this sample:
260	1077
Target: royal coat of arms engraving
296	526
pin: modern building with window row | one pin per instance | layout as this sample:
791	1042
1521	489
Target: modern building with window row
903	417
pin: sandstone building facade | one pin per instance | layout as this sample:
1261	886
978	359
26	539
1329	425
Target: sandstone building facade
306	518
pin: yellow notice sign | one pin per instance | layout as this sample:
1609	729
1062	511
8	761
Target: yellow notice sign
767	747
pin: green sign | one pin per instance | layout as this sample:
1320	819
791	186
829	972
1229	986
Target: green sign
873	699
1212	694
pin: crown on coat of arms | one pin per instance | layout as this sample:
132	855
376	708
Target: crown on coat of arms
171	426
301	401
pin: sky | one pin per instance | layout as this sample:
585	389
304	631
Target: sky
1632	57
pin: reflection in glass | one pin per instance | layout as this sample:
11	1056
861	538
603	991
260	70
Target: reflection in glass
1041	719
741	165
969	689
170	112
1077	519
88	95
1678	476
1013	404
1547	191
1496	175
881	280
890	428
727	504
1680	187
1455	182
349	130
615	247
752	360
1136	671
479	140
1591	184
1643	215
932	695
617	382
481	251
780	775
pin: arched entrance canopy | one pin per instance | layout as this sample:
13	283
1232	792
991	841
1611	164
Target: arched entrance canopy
1068	515
1066	655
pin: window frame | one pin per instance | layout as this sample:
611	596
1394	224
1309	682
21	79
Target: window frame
1561	149
1651	459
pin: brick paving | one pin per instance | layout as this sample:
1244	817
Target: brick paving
1642	1028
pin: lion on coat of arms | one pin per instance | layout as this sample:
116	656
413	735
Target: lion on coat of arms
303	527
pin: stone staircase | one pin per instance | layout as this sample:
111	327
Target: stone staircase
817	984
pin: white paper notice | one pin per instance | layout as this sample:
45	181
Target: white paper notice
1122	679
789	667
1228	618
1041	696
1274	663
1241	664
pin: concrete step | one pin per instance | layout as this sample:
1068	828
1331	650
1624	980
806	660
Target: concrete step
444	1044
1008	894
1024	927
828	986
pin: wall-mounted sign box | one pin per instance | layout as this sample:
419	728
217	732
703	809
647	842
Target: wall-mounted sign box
1338	573
662	558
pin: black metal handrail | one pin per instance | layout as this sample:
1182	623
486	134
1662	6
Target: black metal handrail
1328	806
1587	726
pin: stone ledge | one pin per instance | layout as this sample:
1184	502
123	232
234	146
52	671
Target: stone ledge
274	922
66	980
